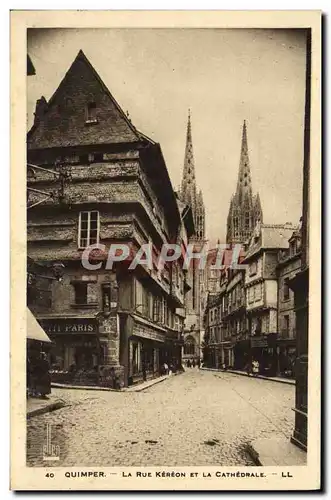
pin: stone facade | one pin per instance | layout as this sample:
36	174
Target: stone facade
107	183
250	307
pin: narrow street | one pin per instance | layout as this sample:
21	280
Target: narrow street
196	418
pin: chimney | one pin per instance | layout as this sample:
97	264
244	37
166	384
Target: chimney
41	108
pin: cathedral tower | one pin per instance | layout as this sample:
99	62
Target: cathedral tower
194	299
188	192
245	209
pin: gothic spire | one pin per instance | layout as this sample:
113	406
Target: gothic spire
244	209
188	191
244	183
258	208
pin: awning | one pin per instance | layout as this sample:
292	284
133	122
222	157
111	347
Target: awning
34	330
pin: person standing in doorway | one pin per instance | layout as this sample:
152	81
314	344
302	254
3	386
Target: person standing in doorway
255	367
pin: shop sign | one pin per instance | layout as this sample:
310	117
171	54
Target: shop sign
259	342
74	326
147	333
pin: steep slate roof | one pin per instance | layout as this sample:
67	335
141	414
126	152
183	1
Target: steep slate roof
270	236
64	122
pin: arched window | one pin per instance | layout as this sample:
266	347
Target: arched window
189	346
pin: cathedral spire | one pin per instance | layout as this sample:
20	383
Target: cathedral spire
244	209
189	194
188	191
244	183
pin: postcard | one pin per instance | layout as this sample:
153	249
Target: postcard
165	235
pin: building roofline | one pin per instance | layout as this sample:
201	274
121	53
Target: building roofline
83	57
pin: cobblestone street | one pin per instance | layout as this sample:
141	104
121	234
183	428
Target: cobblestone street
196	418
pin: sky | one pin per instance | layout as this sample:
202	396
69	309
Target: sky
224	76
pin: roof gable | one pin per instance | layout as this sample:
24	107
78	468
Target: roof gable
64	122
270	236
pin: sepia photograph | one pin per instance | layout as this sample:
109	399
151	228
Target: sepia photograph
168	208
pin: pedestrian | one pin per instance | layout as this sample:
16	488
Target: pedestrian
188	363
255	367
193	363
171	368
43	378
166	368
249	368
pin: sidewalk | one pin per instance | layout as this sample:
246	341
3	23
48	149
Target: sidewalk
147	384
37	406
238	372
133	388
276	451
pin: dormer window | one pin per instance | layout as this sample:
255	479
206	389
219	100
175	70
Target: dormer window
91	113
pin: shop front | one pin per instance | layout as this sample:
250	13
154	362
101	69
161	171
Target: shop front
76	351
241	352
264	350
228	356
147	350
286	350
215	355
144	359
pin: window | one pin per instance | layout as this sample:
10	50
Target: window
189	347
88	229
253	268
106	297
156	309
267	324
177	325
150	306
247	217
286	290
145	302
164	312
235	224
251	294
170	319
141	299
286	324
293	248
97	157
71	159
84	159
80	293
136	358
91	113
258	292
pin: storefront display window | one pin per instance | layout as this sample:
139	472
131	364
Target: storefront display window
136	358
